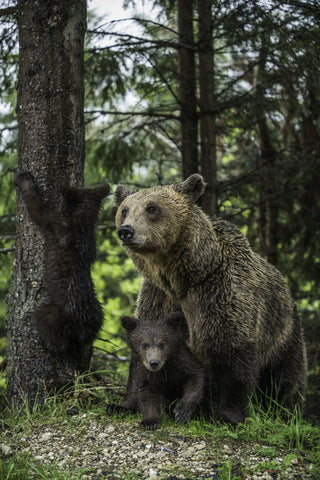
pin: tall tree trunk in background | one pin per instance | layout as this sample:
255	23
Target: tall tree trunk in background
187	83
51	147
208	165
268	219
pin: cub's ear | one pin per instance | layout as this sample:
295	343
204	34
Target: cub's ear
128	323
120	194
193	187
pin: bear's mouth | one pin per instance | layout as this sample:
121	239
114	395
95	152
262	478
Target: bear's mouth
131	244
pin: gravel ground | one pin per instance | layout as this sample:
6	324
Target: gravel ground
108	448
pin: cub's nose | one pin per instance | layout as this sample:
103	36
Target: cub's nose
125	232
154	364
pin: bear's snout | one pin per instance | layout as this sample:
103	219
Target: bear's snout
125	233
154	364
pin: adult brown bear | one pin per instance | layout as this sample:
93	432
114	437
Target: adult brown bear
242	321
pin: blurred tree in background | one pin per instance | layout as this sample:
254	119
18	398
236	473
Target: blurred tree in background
243	79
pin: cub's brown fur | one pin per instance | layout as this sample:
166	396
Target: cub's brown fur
242	321
162	370
71	316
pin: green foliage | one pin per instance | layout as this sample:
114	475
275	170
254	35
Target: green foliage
22	468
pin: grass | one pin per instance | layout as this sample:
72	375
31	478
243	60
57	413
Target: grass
266	433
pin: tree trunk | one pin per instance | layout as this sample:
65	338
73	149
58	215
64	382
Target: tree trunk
268	209
207	119
187	84
51	147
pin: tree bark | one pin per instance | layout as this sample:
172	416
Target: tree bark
187	89
268	209
50	106
208	166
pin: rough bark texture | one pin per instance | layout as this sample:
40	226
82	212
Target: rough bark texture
207	119
187	83
51	148
268	208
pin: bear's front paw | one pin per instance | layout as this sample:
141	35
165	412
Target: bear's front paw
151	423
182	413
113	408
23	179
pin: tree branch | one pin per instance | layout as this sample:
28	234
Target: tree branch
8	11
5	251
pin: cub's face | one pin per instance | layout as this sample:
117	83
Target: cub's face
152	351
155	342
151	219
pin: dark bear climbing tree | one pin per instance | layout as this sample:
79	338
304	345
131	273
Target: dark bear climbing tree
51	148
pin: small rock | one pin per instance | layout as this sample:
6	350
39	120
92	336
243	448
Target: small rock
6	450
45	437
227	450
152	474
200	446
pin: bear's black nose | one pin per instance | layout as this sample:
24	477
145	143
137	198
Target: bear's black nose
125	232
154	363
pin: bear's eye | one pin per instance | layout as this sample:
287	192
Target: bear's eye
161	346
144	346
124	213
151	209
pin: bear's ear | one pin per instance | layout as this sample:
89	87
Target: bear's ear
120	194
193	187
128	323
176	319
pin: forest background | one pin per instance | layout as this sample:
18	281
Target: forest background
252	129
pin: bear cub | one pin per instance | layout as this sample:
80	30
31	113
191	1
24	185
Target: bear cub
162	370
71	316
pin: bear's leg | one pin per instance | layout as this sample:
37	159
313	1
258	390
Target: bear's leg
41	213
285	382
191	399
149	405
234	381
53	327
231	399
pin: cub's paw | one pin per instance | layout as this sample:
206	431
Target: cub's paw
150	423
23	179
182	413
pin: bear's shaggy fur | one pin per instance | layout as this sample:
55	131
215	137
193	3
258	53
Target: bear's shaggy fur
162	370
242	321
71	316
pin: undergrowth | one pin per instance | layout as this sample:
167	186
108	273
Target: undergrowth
268	432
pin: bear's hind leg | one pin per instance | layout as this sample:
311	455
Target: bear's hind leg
231	400
234	382
283	386
53	327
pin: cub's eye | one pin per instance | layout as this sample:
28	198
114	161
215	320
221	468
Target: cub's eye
144	346
161	346
151	209
124	213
